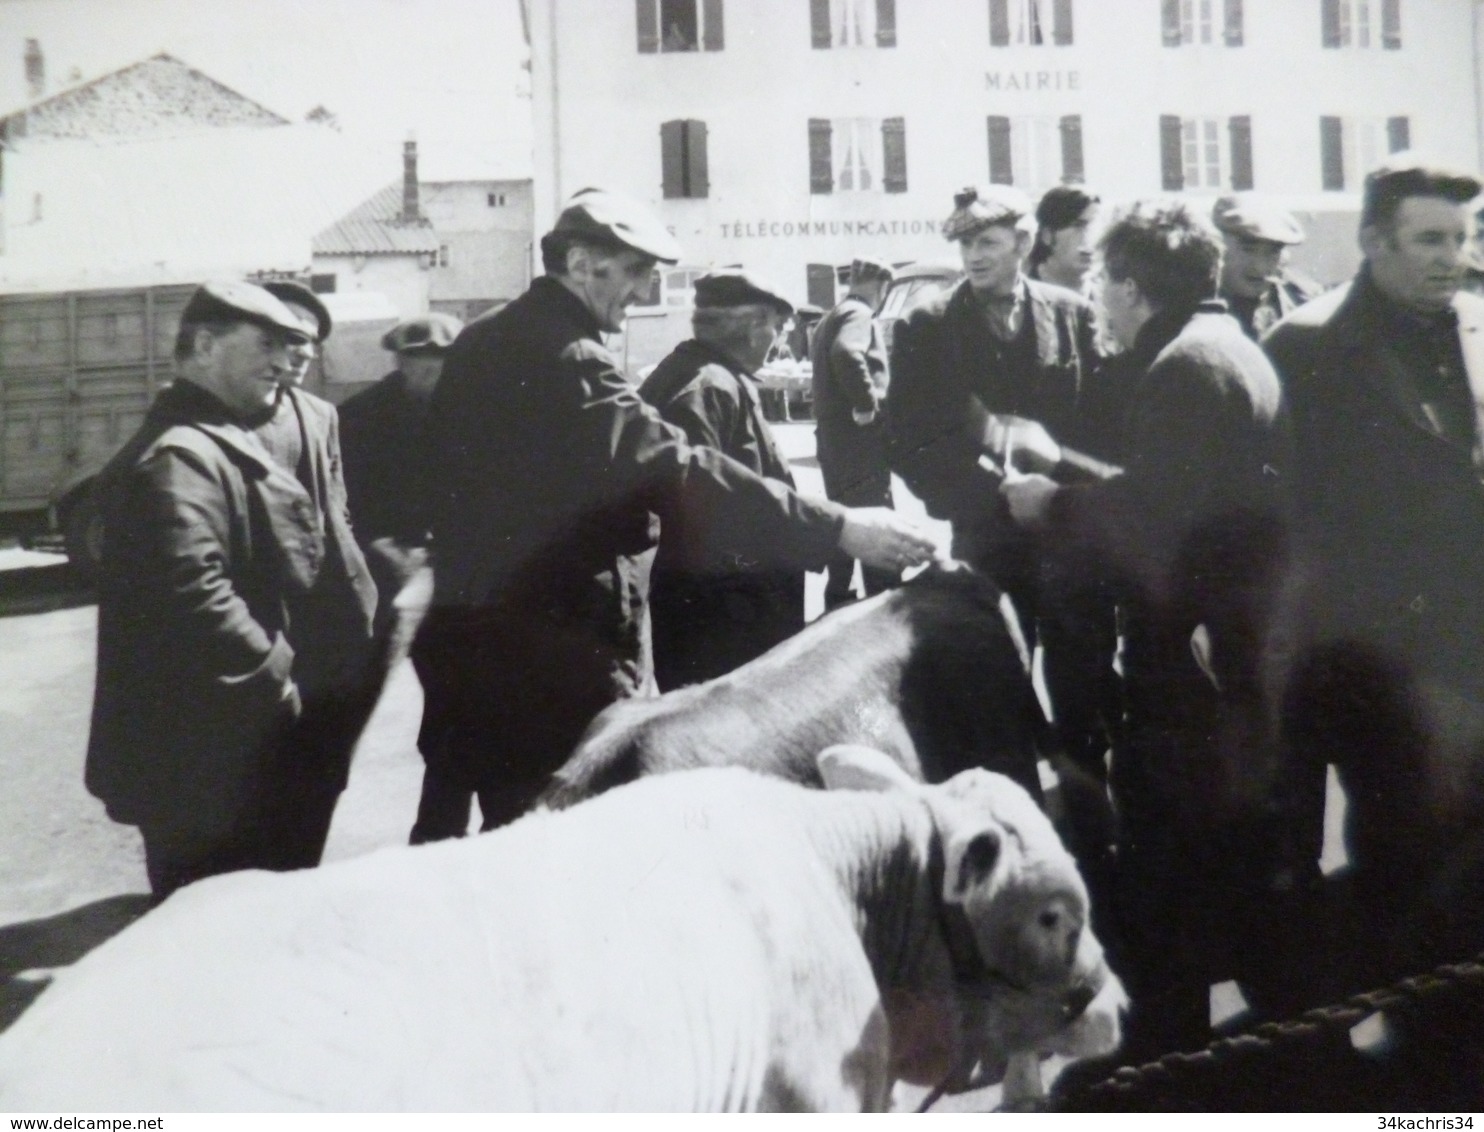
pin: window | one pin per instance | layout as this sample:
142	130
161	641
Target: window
678	25
857	155
1205	153
1030	23
1349	148
1362	23
1202	22
497	200
672	287
853	23
442	255
322	284
821	284
1035	153
683	159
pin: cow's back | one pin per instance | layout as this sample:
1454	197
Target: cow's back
934	674
644	952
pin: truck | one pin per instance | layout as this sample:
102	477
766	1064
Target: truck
78	372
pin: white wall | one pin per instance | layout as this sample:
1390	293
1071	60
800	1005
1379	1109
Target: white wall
598	106
401	278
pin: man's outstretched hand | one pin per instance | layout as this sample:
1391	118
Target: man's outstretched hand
882	538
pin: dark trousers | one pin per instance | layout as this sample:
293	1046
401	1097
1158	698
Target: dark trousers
850	485
508	692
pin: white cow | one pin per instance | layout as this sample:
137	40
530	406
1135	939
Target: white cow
707	940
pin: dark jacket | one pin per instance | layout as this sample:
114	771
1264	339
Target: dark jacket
1194	532
547	467
331	626
942	385
381	435
850	376
1392	509
716	611
207	543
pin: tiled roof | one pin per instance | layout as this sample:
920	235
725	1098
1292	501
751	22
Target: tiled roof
376	227
157	95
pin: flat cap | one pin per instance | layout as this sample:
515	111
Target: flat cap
233	300
737	288
614	218
431	333
1257	218
287	291
863	269
975	208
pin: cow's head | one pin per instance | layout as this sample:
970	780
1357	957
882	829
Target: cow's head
1030	975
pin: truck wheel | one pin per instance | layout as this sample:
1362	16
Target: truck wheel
82	534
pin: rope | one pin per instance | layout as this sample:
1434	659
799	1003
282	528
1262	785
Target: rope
1173	1069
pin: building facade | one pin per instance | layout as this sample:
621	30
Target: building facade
791	135
484	243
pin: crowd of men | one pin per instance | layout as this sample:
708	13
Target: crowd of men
1241	526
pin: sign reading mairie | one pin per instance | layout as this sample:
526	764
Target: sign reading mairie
1032	80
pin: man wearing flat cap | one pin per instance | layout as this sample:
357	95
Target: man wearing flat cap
211	549
1258	287
1386	376
548	469
849	392
713	610
383	431
990	368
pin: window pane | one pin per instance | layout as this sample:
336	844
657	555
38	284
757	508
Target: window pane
1362	23
678	25
1205	21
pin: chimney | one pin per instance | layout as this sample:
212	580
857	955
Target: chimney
35	70
411	213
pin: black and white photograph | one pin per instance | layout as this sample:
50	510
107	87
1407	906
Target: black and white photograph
668	556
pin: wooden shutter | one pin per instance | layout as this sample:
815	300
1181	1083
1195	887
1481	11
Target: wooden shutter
1330	18
1398	134
1234	23
648	22
821	170
1001	171
820	286
999	23
672	159
697	179
886	23
1240	129
713	36
819	22
1170	22
1071	148
1331	153
1171	162
894	154
1061	23
1391	24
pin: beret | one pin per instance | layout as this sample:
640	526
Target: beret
737	288
1411	172
287	291
1063	205
431	333
614	218
975	208
233	300
1253	216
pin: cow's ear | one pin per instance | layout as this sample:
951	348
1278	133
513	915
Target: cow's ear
851	767
969	862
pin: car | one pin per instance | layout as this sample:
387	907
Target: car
913	283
